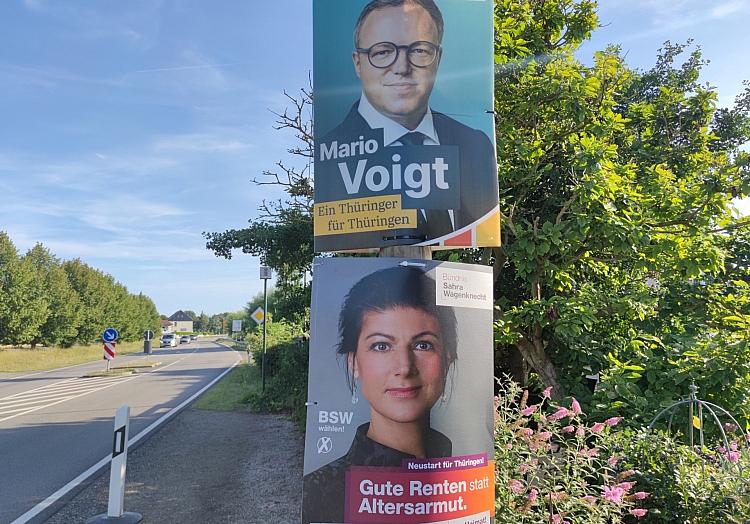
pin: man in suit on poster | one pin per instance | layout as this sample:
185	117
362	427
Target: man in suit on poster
396	58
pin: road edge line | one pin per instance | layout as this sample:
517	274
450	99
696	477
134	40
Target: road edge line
80	479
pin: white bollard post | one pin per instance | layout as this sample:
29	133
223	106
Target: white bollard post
119	463
115	507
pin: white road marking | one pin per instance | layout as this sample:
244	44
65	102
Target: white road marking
74	394
57	495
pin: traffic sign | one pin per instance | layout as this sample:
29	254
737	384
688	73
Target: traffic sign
258	315
265	272
148	334
236	326
110	350
110	335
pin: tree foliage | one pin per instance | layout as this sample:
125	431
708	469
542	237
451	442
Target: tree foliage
622	254
22	308
617	188
53	303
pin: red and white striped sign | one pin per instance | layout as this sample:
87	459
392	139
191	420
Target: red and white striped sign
109	350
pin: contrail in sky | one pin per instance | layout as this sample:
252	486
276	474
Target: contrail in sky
181	68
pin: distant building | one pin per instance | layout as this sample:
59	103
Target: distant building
167	326
181	321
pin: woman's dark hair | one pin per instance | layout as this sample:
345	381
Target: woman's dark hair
427	5
396	287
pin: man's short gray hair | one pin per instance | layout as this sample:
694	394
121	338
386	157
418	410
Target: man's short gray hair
427	5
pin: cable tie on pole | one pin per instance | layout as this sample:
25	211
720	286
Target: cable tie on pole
406	263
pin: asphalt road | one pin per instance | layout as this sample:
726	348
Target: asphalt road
56	425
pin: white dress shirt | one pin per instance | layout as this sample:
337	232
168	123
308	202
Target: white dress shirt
392	130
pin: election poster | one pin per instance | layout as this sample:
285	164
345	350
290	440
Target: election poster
404	126
400	393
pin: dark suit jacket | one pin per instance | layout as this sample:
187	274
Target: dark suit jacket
324	489
478	180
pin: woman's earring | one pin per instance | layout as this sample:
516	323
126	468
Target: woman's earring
355	398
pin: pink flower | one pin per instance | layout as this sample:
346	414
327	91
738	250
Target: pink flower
559	414
613	421
638	512
640	495
526	432
544	435
528	411
729	427
532	495
733	445
597	428
547	392
523	468
590	499
733	457
509	446
626	486
613	494
556	518
592	452
516	487
568	429
580	432
576	407
613	460
747	436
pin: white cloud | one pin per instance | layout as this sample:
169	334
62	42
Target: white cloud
728	8
201	142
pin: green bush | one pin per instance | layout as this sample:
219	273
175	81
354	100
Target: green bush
685	487
551	467
285	370
277	333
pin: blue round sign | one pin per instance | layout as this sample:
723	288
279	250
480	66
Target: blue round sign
110	335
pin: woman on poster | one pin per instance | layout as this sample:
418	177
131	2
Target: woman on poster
398	348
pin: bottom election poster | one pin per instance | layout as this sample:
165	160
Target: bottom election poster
400	394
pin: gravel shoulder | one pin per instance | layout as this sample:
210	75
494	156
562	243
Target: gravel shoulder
207	466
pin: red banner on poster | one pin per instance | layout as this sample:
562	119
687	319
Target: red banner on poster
444	492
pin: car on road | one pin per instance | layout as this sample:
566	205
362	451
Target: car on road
193	337
185	339
168	340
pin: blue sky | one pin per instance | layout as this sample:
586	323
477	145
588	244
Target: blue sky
128	128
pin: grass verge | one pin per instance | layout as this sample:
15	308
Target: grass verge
231	392
22	360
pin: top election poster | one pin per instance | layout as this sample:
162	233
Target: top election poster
404	126
400	393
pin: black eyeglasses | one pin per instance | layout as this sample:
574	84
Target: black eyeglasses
385	54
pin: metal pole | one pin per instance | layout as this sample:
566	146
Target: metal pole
265	331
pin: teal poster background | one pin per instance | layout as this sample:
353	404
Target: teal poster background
464	86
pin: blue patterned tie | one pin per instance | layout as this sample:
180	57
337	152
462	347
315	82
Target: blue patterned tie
415	138
438	219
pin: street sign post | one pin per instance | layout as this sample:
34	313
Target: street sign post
110	337
265	275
